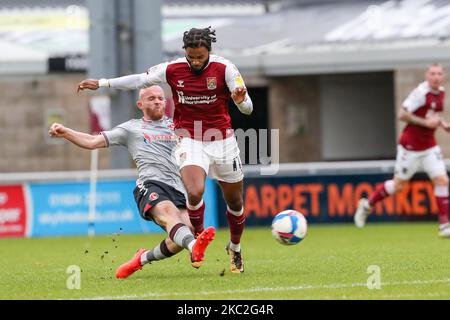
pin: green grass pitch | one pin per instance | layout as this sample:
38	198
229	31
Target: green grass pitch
331	263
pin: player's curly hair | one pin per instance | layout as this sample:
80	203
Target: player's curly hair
197	38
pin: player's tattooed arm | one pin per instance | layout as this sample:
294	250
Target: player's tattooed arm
430	122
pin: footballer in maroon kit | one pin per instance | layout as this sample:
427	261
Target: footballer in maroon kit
417	148
202	84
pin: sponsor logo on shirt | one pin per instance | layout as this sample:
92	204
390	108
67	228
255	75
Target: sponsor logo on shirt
149	138
180	84
195	99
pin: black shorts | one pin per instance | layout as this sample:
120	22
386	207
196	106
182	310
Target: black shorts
153	192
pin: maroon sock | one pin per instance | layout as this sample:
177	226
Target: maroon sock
196	217
379	194
442	203
236	227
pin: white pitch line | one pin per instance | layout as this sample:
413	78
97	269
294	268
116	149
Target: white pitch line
378	297
265	289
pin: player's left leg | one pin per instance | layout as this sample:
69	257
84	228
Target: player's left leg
166	215
441	194
406	165
233	195
435	167
167	248
169	216
226	168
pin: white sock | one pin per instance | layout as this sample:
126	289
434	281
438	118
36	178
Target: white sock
235	247
236	213
193	208
389	186
190	245
144	258
184	237
444	226
441	191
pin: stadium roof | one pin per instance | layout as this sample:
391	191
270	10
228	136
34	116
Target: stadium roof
295	37
21	60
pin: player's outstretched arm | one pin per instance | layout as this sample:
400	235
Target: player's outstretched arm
154	76
83	140
89	84
131	82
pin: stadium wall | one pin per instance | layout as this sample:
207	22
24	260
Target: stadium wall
28	106
301	107
319	114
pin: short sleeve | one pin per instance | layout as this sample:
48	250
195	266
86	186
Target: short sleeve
415	100
117	136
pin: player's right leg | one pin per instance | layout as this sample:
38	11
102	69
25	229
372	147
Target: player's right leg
194	181
406	165
194	167
382	191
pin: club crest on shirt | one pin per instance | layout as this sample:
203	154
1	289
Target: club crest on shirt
153	196
211	83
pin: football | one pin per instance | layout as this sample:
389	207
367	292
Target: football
289	227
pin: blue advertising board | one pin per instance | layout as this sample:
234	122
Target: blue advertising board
59	209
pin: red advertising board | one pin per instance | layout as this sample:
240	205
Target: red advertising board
13	217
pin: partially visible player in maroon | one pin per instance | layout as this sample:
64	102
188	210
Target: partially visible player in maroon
417	148
202	84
